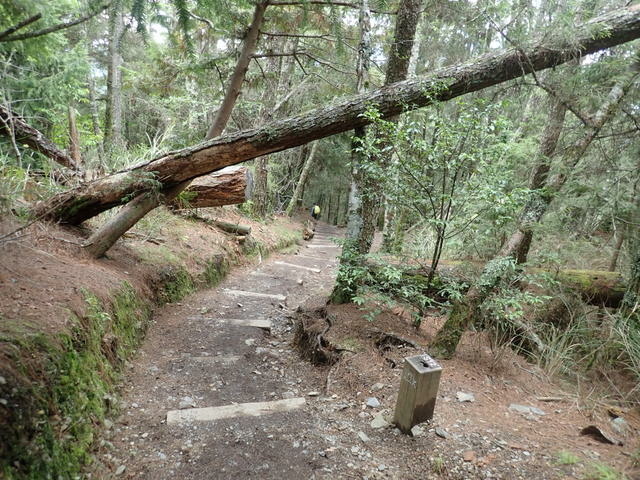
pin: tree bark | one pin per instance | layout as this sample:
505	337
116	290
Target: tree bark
229	186
75	206
113	112
297	193
14	125
516	248
234	228
616	250
239	72
359	213
74	137
103	239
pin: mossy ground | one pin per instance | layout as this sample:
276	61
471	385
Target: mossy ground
51	427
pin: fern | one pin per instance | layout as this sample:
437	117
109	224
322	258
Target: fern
138	12
184	22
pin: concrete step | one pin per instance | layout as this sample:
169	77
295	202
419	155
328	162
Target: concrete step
211	414
243	293
301	267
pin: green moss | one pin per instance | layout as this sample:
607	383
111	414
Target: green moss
157	255
350	344
177	283
58	388
215	270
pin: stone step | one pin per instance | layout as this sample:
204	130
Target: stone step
263	323
254	409
310	257
262	274
223	359
324	246
245	322
242	293
302	267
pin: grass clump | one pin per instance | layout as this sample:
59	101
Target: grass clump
600	471
564	457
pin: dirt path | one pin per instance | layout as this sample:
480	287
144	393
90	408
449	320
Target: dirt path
197	355
283	418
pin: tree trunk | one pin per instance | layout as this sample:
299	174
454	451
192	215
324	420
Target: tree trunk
400	61
103	239
297	193
113	114
229	186
74	137
75	206
358	213
95	119
239	72
261	192
516	248
234	228
13	125
616	250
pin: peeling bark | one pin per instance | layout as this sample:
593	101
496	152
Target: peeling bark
230	186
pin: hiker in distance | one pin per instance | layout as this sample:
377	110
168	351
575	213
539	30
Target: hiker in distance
315	212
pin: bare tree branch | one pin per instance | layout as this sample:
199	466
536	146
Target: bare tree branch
325	3
20	25
55	28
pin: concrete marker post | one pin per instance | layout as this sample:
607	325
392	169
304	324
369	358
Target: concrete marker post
418	391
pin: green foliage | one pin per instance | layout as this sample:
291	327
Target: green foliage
352	274
600	471
564	457
370	282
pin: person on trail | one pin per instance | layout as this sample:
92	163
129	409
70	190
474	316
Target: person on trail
315	212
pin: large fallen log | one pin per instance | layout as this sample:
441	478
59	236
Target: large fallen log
166	172
229	186
12	124
595	287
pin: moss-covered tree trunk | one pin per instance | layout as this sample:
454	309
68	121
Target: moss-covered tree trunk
113	138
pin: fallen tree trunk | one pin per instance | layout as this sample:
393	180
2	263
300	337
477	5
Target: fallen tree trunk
227	181
594	286
14	125
174	168
235	228
229	186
